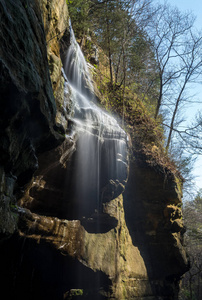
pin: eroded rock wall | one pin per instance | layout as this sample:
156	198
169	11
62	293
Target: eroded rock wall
152	204
28	109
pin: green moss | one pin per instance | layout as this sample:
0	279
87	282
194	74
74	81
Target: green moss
74	294
179	187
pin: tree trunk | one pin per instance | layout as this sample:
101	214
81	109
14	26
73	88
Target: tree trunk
109	52
174	115
160	96
124	84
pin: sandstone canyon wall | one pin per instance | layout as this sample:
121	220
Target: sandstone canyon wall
129	248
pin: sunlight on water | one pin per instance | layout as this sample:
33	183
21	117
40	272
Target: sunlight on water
101	154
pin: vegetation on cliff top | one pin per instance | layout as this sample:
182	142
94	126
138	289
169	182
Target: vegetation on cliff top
150	55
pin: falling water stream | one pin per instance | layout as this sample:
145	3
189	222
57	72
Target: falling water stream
101	156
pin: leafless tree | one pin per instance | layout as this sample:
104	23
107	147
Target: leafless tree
190	62
178	50
167	31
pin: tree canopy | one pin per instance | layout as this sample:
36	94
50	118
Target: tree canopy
153	50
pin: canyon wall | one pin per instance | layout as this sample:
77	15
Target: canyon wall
132	248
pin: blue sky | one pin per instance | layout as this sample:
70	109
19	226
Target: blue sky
189	5
194	6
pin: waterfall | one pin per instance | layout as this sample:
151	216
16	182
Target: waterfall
100	167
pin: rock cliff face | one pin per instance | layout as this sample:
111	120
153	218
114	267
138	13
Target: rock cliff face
27	103
132	248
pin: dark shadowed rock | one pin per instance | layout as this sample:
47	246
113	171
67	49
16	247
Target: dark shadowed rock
28	109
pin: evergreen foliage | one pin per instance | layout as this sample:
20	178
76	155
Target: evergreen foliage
192	282
113	26
151	51
79	10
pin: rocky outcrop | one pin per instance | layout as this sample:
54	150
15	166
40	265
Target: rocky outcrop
27	116
132	247
140	256
56	21
152	204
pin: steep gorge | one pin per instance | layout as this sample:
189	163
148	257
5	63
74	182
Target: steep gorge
52	248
